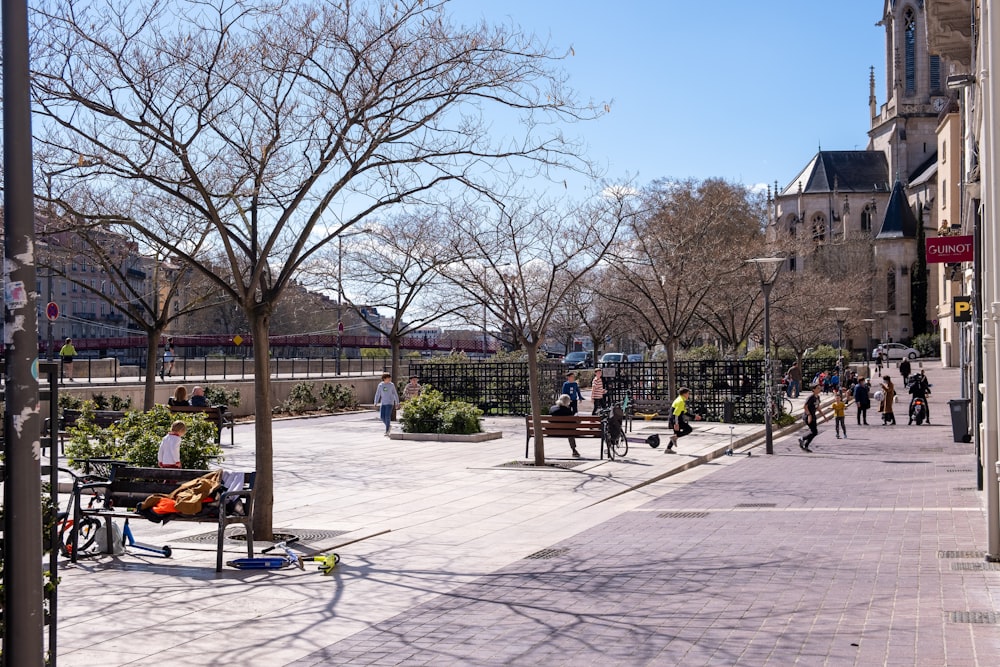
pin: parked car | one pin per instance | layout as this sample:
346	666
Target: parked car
579	359
612	357
635	358
895	351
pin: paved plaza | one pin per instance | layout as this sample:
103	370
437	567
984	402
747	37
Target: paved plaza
867	551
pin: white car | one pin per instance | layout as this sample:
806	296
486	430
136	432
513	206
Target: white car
895	351
612	358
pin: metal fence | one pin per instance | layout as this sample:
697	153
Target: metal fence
496	388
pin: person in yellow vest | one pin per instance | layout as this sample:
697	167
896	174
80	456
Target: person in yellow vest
678	419
66	354
839	407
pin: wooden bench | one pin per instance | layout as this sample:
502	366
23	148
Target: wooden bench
128	487
577	426
216	414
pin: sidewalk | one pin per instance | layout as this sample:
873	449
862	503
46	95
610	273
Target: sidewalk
861	553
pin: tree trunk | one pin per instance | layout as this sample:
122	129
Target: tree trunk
263	506
395	345
152	347
536	402
671	345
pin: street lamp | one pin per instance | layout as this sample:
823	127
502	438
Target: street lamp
767	270
840	314
880	314
868	344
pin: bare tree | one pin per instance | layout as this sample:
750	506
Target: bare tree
281	125
397	267
734	308
688	237
526	262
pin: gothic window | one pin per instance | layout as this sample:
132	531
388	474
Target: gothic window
819	227
867	217
910	47
935	74
890	289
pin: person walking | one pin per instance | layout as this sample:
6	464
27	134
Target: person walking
572	389
678	419
597	390
904	370
387	399
563	408
839	407
794	380
812	412
879	361
67	353
862	399
888	396
169	355
412	388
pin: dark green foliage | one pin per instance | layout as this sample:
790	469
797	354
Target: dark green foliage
222	396
300	399
431	413
918	281
136	438
928	344
337	397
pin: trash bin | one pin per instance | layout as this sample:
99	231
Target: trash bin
960	419
728	412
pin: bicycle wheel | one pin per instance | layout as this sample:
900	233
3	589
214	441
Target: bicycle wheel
87	528
786	405
620	445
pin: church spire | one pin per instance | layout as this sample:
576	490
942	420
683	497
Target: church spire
872	102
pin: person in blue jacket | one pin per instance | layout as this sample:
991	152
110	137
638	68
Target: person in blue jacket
572	389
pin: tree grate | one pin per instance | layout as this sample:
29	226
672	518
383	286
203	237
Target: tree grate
957	470
682	515
305	535
966	488
756	505
961	554
546	554
987	617
976	567
567	465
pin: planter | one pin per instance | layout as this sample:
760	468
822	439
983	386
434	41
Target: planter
447	437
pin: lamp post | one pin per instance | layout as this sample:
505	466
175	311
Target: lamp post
840	314
868	345
340	300
880	314
484	330
767	271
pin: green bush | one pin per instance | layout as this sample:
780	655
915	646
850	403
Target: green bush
113	402
431	413
337	397
222	396
300	399
929	344
136	438
69	401
700	353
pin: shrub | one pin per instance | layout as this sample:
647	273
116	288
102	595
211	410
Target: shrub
222	396
69	401
431	413
337	397
300	399
136	438
700	353
929	344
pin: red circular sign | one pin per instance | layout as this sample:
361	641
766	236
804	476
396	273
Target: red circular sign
52	310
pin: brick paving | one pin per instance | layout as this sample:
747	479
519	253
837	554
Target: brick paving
866	552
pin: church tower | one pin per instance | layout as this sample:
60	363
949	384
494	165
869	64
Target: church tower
904	128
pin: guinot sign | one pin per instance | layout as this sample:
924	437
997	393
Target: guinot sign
949	249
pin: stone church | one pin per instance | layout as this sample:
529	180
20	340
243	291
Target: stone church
881	193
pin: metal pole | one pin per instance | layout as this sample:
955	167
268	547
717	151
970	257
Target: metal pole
768	378
340	300
23	613
484	330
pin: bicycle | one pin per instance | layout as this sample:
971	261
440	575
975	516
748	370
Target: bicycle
88	527
780	404
613	436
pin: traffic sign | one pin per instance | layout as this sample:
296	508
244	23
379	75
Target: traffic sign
52	310
237	340
340	327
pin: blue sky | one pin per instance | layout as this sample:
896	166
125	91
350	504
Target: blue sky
746	91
